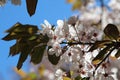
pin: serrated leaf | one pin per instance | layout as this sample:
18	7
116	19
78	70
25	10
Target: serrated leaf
16	36
117	54
18	28
23	56
14	28
31	29
111	31
32	37
24	49
31	6
10	37
99	44
14	49
37	54
27	40
20	31
39	45
101	55
34	41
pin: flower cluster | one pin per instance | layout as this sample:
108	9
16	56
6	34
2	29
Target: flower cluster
70	40
67	40
73	57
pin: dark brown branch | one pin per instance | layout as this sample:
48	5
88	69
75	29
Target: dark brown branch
74	43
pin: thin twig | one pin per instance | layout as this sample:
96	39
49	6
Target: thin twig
74	43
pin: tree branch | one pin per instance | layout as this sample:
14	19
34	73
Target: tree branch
74	43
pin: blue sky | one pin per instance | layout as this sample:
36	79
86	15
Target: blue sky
51	10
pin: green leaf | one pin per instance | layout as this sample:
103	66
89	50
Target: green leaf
34	41
10	36
101	55
23	56
14	28
53	58
99	44
45	39
27	28
37	54
31	29
18	31
32	37
13	36
31	6
111	31
24	49
39	38
117	54
27	42
14	49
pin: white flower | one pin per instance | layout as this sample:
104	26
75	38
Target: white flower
114	4
46	29
77	53
105	76
72	32
51	51
59	74
62	30
57	48
48	74
75	66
